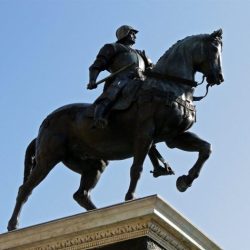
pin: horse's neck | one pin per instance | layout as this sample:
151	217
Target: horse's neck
180	65
177	64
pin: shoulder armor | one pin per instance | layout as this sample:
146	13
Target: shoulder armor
107	51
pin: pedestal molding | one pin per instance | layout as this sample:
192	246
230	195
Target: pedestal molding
147	217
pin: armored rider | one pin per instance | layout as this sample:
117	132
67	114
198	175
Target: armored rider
125	64
114	57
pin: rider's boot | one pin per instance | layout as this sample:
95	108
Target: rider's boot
99	116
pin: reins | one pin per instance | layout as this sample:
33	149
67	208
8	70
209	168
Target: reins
160	76
199	98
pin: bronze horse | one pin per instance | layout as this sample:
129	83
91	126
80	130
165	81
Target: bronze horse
162	111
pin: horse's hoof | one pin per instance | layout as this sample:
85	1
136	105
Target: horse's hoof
84	201
12	226
129	196
182	183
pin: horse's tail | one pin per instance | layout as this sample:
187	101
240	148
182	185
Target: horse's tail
29	161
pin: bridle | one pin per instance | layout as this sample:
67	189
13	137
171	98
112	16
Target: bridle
199	98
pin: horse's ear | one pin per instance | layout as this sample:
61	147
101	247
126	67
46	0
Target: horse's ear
216	34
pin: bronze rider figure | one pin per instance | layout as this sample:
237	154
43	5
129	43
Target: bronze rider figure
112	57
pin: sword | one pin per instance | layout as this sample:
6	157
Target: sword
114	73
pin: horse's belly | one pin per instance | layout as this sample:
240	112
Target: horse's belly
102	150
108	144
108	151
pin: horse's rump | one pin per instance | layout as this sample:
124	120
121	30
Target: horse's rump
70	110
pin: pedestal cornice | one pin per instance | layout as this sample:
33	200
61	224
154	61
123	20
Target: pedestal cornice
146	217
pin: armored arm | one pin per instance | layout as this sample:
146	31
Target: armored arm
93	74
101	63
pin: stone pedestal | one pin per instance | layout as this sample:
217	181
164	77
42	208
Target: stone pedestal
144	224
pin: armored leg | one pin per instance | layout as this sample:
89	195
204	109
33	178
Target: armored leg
105	102
101	109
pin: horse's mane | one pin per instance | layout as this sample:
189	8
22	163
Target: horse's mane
180	43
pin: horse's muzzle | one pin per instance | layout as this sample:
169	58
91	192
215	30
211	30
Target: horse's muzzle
215	79
221	78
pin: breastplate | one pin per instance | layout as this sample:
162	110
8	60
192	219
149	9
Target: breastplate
126	58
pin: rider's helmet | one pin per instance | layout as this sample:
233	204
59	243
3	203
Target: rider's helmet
123	31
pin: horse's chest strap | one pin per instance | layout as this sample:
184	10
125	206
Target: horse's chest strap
185	104
189	109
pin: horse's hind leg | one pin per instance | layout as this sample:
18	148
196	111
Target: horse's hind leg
89	180
191	142
36	177
48	155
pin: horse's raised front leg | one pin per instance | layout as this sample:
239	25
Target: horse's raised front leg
191	142
89	180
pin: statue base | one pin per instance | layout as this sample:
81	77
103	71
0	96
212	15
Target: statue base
144	224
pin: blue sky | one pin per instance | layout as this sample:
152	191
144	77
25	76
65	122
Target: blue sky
46	48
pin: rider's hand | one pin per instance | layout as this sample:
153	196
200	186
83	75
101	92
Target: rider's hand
92	85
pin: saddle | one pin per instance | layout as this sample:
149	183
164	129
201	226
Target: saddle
125	99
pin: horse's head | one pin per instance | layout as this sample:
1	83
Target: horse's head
200	53
209	62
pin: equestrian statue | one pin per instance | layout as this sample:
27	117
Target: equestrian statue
142	104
